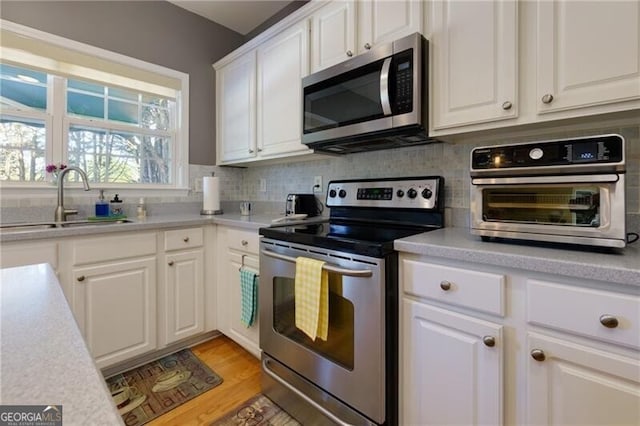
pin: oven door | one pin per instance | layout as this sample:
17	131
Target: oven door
350	364
577	209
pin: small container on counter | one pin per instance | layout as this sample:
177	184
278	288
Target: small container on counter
115	206
102	206
141	211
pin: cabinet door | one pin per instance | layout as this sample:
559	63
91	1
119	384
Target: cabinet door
115	307
248	337
474	57
578	385
183	295
333	34
588	53
282	62
449	374
380	21
236	105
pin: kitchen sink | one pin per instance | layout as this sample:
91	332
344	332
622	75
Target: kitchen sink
42	226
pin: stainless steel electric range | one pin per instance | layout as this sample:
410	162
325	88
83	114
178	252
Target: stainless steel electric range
352	377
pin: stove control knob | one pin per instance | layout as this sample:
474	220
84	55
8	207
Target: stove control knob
342	193
332	193
400	193
426	193
412	193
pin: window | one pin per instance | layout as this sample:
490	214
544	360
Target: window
122	121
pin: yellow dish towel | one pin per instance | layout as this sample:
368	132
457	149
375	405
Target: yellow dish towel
312	298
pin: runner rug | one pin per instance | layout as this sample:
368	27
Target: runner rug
257	411
146	392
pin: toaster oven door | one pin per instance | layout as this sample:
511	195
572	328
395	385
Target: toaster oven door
580	209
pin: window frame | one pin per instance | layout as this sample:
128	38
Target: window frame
59	124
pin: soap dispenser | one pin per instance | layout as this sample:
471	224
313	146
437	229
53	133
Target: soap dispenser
115	206
102	206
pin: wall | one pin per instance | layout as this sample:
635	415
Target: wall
290	8
153	31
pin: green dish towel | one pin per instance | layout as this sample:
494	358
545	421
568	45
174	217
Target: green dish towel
248	296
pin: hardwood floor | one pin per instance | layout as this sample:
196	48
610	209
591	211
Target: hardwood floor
241	374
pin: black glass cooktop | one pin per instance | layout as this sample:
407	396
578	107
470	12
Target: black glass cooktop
369	239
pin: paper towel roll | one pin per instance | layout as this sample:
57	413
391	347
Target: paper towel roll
211	194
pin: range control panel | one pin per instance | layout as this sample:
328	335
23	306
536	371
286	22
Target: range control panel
412	193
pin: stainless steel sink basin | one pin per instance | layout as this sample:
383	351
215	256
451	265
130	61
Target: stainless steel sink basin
41	226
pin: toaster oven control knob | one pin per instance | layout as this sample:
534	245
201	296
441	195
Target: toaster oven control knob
427	193
342	193
536	154
412	193
332	193
400	193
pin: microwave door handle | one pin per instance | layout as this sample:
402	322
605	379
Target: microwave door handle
327	266
384	87
605	208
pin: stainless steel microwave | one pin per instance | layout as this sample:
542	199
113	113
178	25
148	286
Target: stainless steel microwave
376	100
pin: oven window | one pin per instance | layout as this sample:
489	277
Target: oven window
568	205
340	342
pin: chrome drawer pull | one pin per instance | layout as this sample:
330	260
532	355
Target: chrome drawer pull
327	266
538	355
547	99
609	321
445	285
244	242
185	239
171	263
81	278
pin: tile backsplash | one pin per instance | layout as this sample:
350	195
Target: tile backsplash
450	160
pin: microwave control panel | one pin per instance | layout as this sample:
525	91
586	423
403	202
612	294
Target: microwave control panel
584	151
403	70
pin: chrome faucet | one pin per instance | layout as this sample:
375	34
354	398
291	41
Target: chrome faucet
61	212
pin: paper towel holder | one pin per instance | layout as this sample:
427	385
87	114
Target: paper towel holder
204	212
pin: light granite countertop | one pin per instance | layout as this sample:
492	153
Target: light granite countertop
252	222
622	267
44	360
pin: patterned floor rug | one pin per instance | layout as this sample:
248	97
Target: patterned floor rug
257	411
146	392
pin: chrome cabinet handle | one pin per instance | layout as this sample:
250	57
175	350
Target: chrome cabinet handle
547	99
489	341
250	151
609	321
171	263
349	53
81	278
445	285
244	242
259	149
506	105
185	239
367	46
538	355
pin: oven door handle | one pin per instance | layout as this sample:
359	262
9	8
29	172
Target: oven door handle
530	180
327	413
327	266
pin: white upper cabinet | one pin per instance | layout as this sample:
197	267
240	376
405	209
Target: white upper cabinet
333	32
282	62
383	21
236	112
342	29
588	53
473	61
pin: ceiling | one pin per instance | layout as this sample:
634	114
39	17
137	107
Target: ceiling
241	16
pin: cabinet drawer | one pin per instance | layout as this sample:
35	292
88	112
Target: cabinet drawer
183	238
19	254
471	289
119	246
581	310
243	240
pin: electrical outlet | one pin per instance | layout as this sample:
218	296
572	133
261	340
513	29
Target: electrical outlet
263	185
317	184
197	186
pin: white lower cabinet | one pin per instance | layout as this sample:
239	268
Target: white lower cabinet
114	304
182	290
239	248
452	368
574	384
21	254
